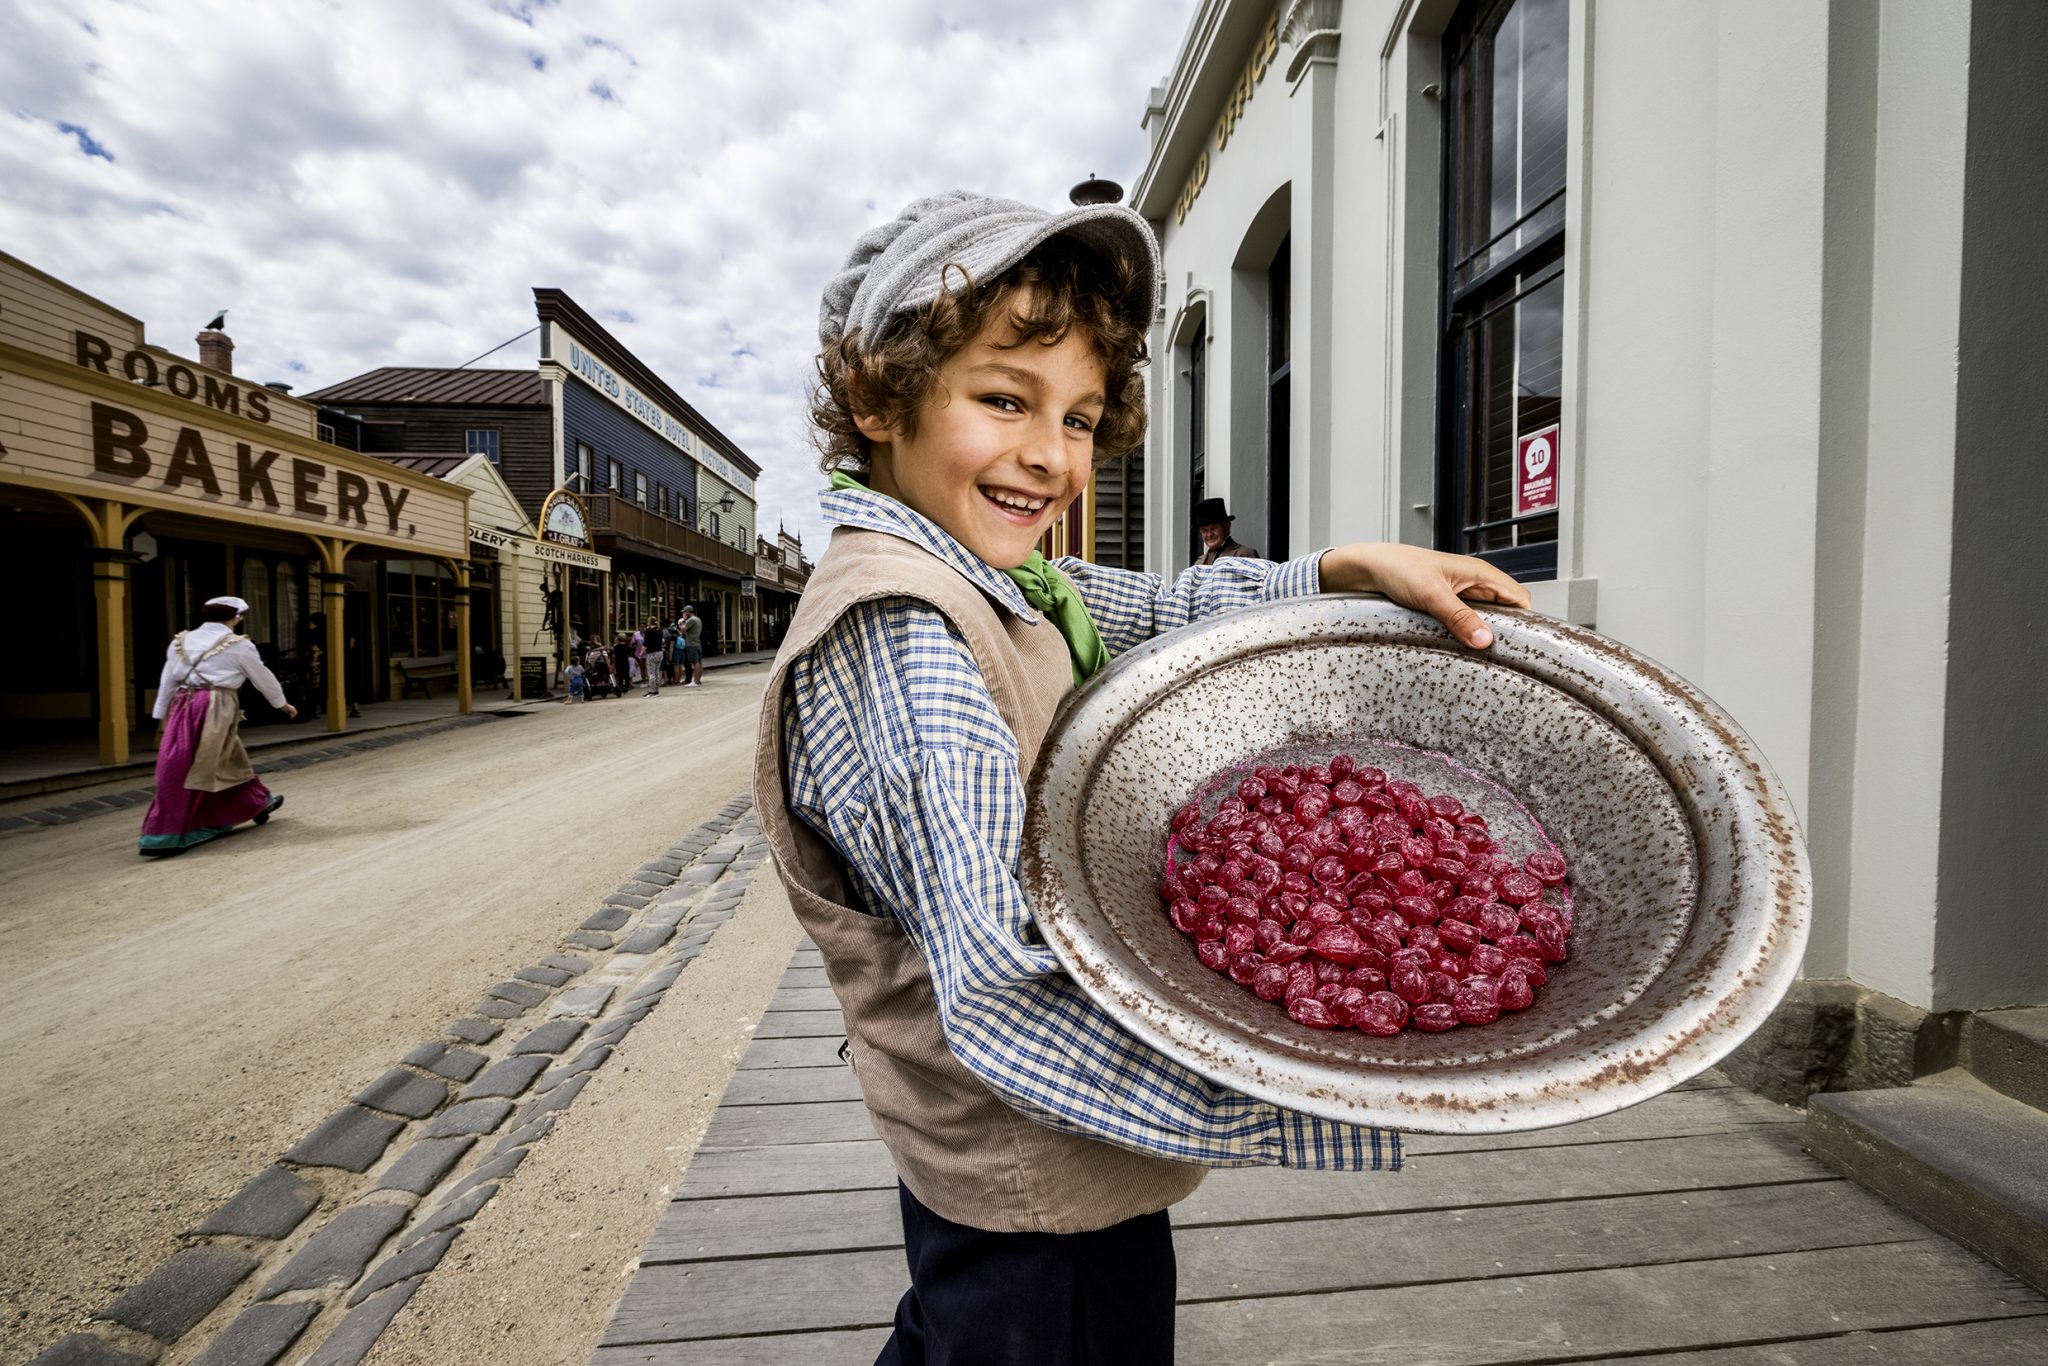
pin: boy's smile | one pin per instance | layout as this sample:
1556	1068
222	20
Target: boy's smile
1004	444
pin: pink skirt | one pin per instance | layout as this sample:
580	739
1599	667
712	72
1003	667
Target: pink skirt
180	818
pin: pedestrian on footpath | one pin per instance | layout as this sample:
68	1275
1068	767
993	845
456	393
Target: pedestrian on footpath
693	647
204	784
622	664
979	358
654	645
576	689
597	670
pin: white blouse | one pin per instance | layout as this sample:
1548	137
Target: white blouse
234	664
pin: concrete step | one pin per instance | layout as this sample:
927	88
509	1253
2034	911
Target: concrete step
1955	1154
2008	1051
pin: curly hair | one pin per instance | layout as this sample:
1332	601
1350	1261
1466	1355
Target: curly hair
1059	287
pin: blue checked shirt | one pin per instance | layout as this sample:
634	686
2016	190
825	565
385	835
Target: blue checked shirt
897	755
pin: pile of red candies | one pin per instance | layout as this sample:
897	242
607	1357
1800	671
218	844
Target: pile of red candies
1362	902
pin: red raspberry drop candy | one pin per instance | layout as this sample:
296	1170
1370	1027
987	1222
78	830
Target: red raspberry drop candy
1367	979
1434	1018
1478	886
1244	966
1377	1023
1311	806
1458	934
1213	897
1270	981
1409	983
1184	914
1450	808
1530	970
1328	869
1546	866
1238	938
1186	816
1311	1012
1442	987
1287	951
1551	942
1418	852
1497	922
1213	955
1319	774
1242	909
1515	991
1267	933
1447	870
1425	937
1387	1003
1252	789
1489	959
1347	794
1518	888
1341	765
1477	1001
1301	980
1209	927
1339	944
1327	973
1417	910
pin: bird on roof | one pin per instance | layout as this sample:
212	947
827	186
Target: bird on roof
220	320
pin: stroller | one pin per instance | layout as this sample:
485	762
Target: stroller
597	674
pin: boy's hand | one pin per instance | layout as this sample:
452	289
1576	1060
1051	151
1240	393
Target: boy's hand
1426	580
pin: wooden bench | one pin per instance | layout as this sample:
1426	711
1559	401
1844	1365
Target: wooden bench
418	673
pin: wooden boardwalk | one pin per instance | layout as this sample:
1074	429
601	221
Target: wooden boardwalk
1692	1229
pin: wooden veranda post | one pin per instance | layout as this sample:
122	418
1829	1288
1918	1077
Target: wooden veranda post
333	601
108	523
464	693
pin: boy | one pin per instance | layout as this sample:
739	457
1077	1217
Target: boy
576	681
979	358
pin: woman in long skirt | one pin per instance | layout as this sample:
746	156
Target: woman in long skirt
204	784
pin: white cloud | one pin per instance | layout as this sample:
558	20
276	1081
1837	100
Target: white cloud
383	181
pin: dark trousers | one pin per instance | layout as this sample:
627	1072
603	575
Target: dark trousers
1033	1299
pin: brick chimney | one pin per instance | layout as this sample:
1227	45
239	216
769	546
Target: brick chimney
217	351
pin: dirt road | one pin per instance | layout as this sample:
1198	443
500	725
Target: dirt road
173	1026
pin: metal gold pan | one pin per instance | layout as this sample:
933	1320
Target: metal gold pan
1690	876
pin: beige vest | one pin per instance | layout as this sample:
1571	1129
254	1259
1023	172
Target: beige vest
961	1151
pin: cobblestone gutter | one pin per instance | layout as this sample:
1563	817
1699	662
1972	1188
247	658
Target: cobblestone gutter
400	1171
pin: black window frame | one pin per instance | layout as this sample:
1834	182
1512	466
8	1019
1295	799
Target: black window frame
1279	413
489	448
1529	267
1198	430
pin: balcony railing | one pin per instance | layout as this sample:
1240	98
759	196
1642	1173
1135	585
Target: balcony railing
621	517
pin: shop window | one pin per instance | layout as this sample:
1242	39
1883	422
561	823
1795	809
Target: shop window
481	440
288	606
255	590
640	488
1279	365
1198	432
419	609
1502	344
583	466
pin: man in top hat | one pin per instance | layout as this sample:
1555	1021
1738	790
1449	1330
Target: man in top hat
1213	521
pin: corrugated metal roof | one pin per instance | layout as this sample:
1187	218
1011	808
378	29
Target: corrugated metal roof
416	384
438	464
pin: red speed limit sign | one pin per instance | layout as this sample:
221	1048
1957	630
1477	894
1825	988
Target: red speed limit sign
1536	457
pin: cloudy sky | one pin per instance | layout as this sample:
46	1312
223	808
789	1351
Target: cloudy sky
382	182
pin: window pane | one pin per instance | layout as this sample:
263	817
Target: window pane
427	616
287	606
400	623
1513	360
1510	121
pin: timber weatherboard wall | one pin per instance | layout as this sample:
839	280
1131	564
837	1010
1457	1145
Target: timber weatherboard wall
613	434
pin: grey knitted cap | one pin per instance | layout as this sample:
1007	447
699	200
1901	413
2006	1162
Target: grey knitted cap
900	266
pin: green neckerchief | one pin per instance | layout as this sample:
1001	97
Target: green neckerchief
1048	591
